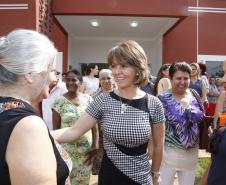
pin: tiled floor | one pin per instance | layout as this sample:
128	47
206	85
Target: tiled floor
202	153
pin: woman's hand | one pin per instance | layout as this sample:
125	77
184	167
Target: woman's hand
155	181
91	155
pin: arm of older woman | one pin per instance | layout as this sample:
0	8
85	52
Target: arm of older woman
30	156
158	137
219	107
68	134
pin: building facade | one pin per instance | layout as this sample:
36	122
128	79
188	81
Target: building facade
194	34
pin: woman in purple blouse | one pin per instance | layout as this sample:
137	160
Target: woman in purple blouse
183	115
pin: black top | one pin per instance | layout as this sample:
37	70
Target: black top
217	171
11	112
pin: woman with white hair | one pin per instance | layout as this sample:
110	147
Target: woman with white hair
106	82
28	154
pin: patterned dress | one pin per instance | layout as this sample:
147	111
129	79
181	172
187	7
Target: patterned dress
125	137
182	129
69	113
181	133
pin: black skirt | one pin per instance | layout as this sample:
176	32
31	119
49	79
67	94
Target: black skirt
109	174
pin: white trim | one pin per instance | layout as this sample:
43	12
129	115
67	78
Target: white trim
207	11
211	57
197	30
112	38
206	8
13	6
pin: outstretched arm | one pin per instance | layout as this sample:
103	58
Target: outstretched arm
80	127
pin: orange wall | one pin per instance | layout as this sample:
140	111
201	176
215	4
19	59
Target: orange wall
60	39
11	19
121	7
172	8
180	43
212	34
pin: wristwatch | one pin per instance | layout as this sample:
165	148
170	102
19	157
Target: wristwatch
155	175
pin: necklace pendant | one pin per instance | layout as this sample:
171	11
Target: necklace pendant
123	108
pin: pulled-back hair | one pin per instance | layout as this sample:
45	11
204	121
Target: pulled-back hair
89	67
160	75
179	66
24	52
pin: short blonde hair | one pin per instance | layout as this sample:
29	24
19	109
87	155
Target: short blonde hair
131	53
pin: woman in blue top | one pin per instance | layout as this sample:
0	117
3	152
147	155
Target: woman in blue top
183	115
198	83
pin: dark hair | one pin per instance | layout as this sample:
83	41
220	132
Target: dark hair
77	73
6	76
159	77
202	68
89	67
179	66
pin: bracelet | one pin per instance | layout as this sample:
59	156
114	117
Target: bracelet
155	174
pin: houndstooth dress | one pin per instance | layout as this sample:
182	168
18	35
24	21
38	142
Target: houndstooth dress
125	137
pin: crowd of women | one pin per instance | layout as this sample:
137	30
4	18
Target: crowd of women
115	130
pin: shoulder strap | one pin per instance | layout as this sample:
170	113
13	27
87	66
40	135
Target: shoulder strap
197	97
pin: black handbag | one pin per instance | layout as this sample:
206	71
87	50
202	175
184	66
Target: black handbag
215	139
204	125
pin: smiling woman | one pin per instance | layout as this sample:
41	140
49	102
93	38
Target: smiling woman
183	116
67	109
126	133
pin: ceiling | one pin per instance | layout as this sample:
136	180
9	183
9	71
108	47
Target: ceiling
149	28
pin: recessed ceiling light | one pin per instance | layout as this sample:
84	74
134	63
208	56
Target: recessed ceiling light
94	23
133	24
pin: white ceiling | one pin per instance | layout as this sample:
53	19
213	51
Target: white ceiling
149	28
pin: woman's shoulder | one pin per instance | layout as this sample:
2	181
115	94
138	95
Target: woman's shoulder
164	80
104	95
87	97
222	95
30	126
59	99
153	100
101	98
